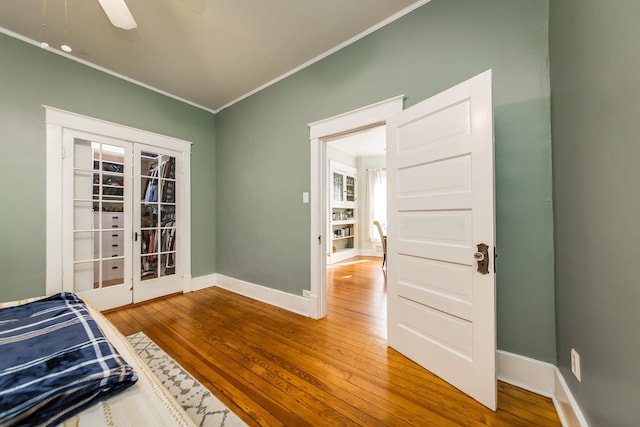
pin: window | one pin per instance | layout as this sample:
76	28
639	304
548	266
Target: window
376	202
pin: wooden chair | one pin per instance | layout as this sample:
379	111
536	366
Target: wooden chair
383	240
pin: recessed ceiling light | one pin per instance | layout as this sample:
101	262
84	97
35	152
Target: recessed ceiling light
44	45
66	48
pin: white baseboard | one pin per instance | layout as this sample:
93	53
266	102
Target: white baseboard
370	252
284	300
202	282
526	373
541	378
342	255
567	407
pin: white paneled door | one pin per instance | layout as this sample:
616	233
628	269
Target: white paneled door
441	233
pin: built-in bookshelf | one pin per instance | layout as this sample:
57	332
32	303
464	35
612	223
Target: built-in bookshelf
343	211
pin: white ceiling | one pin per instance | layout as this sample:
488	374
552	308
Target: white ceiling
367	142
209	53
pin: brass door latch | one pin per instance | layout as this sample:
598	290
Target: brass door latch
482	257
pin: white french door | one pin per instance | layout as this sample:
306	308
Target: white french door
97	217
440	237
156	213
121	207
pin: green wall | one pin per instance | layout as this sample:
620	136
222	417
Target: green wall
594	74
31	77
263	149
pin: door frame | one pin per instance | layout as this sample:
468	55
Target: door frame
56	121
361	118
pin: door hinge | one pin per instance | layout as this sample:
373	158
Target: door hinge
320	239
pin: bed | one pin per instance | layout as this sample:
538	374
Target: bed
52	374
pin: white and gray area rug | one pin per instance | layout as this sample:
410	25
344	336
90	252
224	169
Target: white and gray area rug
202	406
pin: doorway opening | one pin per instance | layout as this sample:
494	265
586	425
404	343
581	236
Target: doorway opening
322	134
357	193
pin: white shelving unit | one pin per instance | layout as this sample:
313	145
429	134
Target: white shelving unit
343	212
108	219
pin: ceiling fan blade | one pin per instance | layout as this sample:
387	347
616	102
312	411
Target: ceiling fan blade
118	13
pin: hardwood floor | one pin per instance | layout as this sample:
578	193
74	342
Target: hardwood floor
273	367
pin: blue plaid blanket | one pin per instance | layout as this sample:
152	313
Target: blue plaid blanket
54	362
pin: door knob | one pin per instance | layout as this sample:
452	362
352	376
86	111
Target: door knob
482	257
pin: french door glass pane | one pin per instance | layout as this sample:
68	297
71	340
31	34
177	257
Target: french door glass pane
84	245
337	187
158	215
98	214
84	275
351	189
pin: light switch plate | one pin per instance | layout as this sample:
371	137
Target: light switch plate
305	197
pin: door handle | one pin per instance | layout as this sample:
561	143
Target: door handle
482	257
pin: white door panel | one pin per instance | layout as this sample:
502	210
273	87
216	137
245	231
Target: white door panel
434	283
447	176
433	131
96	205
441	206
442	329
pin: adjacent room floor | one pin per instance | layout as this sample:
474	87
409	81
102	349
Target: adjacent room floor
273	367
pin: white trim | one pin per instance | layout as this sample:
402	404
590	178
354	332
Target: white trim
284	300
342	123
76	121
338	257
568	410
53	227
526	373
329	52
541	378
99	68
371	252
318	245
358	118
203	282
320	57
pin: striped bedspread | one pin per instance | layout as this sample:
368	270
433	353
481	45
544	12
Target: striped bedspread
55	361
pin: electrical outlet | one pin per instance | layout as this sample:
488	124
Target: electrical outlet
306	293
575	364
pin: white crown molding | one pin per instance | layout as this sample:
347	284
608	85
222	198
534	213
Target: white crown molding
320	57
104	70
329	52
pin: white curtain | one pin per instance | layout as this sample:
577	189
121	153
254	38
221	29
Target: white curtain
376	202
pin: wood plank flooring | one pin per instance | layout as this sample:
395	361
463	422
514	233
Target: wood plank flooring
276	368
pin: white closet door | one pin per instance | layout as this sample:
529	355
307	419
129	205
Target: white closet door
97	213
157	265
